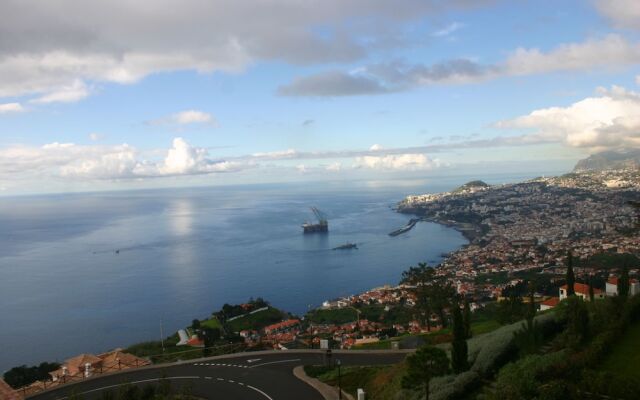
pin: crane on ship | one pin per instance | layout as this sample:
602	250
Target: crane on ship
321	226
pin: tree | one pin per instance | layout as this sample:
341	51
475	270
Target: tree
466	318
441	294
623	282
577	321
195	324
426	363
591	293
571	279
421	277
459	350
529	337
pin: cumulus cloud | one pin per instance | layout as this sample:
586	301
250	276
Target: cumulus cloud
11	108
622	13
376	147
334	167
76	91
610	120
70	160
611	51
46	45
402	162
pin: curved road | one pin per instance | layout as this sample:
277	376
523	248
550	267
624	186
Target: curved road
264	375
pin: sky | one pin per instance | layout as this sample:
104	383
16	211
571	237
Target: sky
118	94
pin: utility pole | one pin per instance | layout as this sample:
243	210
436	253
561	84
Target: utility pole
339	385
161	336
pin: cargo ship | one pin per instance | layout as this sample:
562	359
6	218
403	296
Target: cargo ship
322	226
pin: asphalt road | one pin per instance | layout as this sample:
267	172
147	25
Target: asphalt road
255	375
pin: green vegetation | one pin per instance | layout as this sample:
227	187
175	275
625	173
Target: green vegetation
459	349
426	363
257	320
351	378
332	316
612	260
211	323
21	376
624	358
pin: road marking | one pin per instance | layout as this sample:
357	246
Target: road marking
231	381
260	391
274	362
208	377
220	379
135	382
254	360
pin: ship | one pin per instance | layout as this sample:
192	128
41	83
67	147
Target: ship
346	246
322	226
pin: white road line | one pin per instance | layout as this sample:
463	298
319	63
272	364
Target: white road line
260	391
133	383
254	360
274	362
240	383
220	379
232	381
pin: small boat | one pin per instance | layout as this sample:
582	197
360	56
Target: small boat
346	246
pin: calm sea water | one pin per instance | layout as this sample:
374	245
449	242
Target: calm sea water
183	253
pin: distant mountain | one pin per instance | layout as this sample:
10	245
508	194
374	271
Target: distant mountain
609	160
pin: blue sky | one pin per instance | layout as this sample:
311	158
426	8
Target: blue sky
192	92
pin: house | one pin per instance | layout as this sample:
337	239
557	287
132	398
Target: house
612	286
582	291
86	365
283	326
549	303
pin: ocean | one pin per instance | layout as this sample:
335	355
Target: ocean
93	271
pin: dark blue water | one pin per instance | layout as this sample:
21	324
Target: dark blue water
183	253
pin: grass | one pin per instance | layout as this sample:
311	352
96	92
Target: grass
212	323
433	338
624	359
332	316
257	321
351	378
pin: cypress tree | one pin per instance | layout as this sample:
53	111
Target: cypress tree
466	318
459	350
591	293
571	279
623	282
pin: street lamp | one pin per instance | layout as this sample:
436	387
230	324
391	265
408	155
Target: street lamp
339	385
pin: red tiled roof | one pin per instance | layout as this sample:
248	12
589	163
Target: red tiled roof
281	325
582	288
552	302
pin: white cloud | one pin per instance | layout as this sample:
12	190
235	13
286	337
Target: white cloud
623	13
376	147
11	108
609	52
301	168
448	30
69	160
187	117
401	162
95	136
334	167
638	80
608	121
54	43
192	116
76	91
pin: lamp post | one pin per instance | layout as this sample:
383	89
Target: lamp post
339	385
